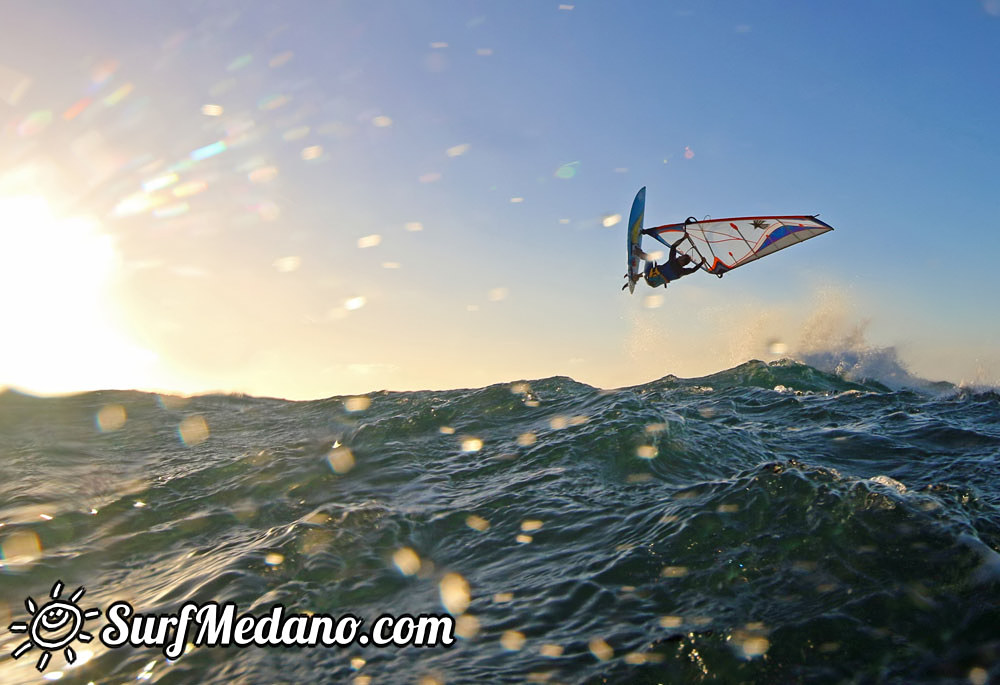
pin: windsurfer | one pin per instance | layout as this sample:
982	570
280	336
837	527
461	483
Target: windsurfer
675	267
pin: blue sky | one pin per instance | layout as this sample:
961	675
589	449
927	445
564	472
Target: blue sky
287	263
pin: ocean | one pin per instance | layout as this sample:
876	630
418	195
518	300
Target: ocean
772	523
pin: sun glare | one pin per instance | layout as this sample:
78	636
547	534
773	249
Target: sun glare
56	279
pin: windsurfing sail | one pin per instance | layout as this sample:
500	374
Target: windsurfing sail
725	244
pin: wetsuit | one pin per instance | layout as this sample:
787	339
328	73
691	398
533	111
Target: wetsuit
660	274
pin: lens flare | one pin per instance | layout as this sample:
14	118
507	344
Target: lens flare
208	151
355	303
118	95
407	561
601	649
477	523
455	593
356	404
239	63
111	417
34	123
341	459
193	430
313	152
512	640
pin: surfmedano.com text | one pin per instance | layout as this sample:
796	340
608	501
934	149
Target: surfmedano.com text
215	625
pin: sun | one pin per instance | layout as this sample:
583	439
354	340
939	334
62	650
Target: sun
54	626
58	277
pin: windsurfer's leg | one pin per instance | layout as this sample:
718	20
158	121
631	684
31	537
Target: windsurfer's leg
637	251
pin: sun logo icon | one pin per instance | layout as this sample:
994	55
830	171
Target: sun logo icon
54	626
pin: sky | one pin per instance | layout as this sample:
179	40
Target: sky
303	200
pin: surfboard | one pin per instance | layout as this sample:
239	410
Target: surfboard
634	237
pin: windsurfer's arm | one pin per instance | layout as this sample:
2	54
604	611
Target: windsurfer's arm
673	249
692	269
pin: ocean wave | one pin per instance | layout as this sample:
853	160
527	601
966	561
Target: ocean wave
769	523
